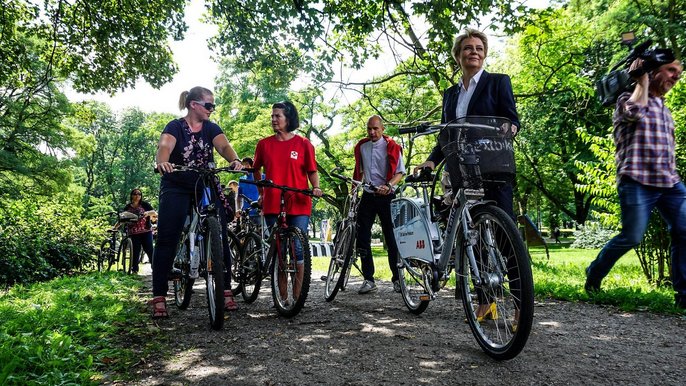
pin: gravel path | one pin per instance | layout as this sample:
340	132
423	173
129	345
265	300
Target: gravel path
373	340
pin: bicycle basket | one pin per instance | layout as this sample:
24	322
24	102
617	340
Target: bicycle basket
127	217
477	145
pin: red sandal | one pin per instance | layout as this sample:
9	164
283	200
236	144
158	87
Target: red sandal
229	301
159	307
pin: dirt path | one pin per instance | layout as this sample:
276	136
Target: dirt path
373	340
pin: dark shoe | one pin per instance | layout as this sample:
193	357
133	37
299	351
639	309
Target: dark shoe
324	277
175	274
592	285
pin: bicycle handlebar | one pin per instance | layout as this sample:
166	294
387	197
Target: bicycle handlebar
212	170
271	184
356	182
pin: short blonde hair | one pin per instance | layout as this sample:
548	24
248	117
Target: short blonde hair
468	33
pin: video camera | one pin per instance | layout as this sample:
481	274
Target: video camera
617	81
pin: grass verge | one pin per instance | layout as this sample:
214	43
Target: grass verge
73	330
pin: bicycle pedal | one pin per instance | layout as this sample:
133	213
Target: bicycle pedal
424	298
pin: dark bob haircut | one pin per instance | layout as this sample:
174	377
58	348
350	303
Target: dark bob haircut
291	114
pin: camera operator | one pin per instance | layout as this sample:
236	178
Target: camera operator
646	172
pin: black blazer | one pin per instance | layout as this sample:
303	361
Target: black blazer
493	96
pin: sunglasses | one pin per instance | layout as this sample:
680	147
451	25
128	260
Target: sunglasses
136	194
207	105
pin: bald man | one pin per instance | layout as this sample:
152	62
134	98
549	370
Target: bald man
378	161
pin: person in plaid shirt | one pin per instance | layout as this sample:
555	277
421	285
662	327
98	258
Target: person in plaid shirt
646	175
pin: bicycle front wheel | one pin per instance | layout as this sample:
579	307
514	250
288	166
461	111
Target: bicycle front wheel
104	253
214	280
339	266
499	302
290	277
249	269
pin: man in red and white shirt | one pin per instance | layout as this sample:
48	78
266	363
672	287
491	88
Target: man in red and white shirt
646	175
378	161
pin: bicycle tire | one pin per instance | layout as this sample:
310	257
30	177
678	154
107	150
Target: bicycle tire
183	288
285	270
235	247
102	255
126	255
213	257
412	289
339	265
250	267
499	336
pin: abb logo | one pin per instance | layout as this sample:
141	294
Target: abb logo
420	244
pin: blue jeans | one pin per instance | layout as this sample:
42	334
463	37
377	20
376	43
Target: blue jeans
637	202
299	221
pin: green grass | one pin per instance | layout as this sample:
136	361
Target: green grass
72	330
562	277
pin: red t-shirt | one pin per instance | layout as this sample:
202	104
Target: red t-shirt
286	163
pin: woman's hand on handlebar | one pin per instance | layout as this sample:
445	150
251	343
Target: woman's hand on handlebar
317	192
165	167
236	164
425	164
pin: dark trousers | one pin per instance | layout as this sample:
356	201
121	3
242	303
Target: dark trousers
502	195
370	206
144	241
174	206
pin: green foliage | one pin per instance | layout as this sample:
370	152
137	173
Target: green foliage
44	238
555	61
563	275
592	235
69	331
116	155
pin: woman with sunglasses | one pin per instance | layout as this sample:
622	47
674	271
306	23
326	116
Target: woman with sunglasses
186	141
140	232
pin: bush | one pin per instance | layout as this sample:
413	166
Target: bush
592	236
41	239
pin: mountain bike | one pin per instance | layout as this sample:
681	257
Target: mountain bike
344	255
200	252
476	239
117	250
253	266
285	244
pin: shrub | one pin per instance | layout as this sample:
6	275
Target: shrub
592	236
41	239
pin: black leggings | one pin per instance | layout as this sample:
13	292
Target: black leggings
139	240
174	205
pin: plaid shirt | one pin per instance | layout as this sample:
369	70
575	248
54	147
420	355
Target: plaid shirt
644	142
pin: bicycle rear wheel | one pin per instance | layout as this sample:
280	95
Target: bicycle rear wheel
339	266
183	288
212	255
290	278
413	279
249	270
235	247
499	304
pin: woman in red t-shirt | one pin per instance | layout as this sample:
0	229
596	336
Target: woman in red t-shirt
287	159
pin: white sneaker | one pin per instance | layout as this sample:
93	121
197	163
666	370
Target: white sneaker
367	287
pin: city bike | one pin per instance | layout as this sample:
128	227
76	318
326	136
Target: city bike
200	252
290	279
116	252
472	236
344	255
